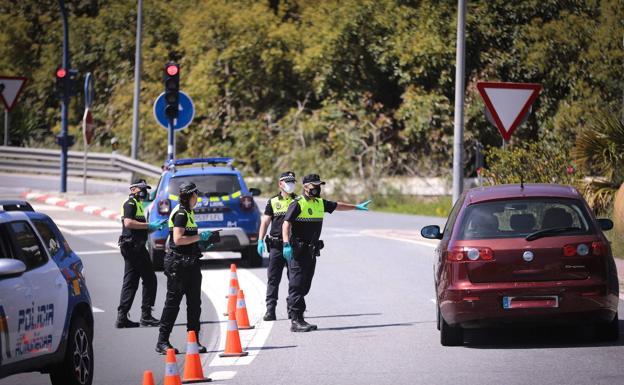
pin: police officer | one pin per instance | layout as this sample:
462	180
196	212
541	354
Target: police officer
301	233
274	214
182	267
136	258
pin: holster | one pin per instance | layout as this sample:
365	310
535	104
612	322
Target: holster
273	243
314	246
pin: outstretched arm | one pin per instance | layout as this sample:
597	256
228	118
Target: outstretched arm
348	206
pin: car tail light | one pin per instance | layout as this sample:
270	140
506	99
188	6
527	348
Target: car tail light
583	249
598	249
247	203
164	207
470	254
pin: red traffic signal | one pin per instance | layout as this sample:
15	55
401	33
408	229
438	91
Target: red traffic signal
172	70
61	72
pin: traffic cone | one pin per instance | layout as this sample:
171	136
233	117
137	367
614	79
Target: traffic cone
233	275
172	376
193	372
242	319
148	377
232	340
232	298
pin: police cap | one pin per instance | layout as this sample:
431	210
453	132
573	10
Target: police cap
288	176
140	183
188	188
312	178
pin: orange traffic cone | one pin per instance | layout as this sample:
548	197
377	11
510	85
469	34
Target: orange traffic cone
148	378
242	319
193	372
233	275
232	298
172	376
232	340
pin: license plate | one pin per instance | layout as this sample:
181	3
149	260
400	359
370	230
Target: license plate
531	302
218	217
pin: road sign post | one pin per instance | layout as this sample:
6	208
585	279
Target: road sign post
508	104
10	89
87	125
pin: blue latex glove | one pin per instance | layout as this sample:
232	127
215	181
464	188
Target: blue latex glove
261	247
156	225
204	235
287	252
363	205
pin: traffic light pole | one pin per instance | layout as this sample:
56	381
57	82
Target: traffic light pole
458	133
171	141
65	100
134	151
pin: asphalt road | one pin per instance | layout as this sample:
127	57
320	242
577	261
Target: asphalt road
372	300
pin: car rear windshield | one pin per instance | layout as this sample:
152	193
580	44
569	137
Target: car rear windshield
208	185
519	218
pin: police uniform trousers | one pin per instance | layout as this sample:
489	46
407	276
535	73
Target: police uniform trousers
137	266
300	273
187	283
274	275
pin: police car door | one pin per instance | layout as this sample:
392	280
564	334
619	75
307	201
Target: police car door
40	322
14	294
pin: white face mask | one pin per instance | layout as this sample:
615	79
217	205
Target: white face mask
289	187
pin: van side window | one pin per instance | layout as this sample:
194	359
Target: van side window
49	240
27	246
5	244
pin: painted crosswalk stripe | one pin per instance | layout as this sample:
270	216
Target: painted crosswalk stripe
96	309
95	252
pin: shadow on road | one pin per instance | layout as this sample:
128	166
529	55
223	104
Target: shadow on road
218	264
258	348
203	323
338	328
544	337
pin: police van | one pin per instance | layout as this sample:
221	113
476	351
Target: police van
46	321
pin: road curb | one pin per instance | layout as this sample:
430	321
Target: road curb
72	205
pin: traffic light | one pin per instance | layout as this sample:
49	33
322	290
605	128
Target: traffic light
66	81
172	89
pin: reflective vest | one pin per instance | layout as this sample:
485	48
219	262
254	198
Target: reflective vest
280	205
190	219
139	215
312	210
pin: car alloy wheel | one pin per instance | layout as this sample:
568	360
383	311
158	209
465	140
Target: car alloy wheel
81	356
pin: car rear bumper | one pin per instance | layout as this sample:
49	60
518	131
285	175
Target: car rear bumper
232	238
576	303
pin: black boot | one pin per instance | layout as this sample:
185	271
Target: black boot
201	348
298	325
162	346
124	322
270	314
147	319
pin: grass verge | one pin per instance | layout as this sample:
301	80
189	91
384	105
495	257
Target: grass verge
437	206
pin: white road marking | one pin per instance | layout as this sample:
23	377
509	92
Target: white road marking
88	232
96	309
90	223
113	245
95	252
433	300
40	207
214	284
222	375
379	234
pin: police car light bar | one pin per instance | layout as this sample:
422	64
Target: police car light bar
15	205
218	160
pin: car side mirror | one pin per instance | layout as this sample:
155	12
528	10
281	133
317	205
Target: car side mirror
10	268
431	232
605	224
255	192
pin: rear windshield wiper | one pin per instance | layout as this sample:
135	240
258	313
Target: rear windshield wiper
550	232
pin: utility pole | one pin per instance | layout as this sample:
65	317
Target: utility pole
137	83
63	140
458	133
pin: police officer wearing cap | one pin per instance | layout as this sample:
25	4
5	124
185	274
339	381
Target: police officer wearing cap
137	262
274	214
301	233
182	267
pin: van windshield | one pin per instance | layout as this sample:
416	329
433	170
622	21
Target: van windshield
519	218
208	185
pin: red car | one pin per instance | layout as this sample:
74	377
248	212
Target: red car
523	253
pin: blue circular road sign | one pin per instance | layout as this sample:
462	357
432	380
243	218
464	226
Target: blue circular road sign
185	114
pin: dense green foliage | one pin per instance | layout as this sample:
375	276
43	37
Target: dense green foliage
351	88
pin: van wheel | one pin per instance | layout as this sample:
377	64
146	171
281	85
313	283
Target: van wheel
609	331
450	335
77	366
251	257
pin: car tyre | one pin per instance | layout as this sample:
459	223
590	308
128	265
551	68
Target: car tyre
609	331
77	365
251	257
438	317
157	257
450	335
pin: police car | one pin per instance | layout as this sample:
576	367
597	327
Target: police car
225	202
46	322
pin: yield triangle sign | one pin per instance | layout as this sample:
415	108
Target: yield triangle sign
508	103
10	89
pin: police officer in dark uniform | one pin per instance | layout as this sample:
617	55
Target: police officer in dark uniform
136	258
274	214
301	233
182	267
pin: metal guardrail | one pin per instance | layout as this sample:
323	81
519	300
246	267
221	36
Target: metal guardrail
99	165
